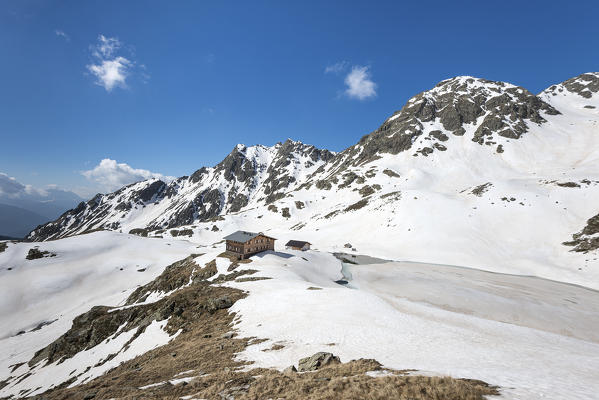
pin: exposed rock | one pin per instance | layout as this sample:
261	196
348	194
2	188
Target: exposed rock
317	361
588	238
35	253
391	173
323	185
366	190
568	184
219	303
182	232
584	85
290	370
227	335
357	205
439	135
480	189
139	232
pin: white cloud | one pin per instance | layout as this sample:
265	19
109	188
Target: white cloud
336	68
359	84
62	34
111	175
11	188
110	69
111	73
106	47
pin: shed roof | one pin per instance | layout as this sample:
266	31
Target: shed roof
243	236
297	243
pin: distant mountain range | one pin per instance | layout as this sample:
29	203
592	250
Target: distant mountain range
22	208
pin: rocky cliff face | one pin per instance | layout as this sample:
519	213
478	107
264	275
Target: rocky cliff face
483	110
463	120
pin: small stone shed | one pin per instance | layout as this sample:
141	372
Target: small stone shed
297	245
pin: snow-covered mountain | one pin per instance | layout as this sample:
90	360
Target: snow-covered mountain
478	171
482	194
248	176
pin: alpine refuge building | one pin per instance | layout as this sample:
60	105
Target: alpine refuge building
297	245
246	244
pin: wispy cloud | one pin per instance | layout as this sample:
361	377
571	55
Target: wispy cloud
144	74
111	175
359	84
336	68
109	67
106	47
62	34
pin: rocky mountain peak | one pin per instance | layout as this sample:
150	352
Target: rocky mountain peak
585	85
484	109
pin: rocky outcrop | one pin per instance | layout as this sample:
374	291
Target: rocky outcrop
317	361
584	85
489	108
588	238
35	253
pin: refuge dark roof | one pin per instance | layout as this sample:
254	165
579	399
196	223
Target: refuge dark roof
243	236
297	243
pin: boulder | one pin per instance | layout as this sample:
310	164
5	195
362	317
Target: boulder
290	370
219	303
227	335
317	361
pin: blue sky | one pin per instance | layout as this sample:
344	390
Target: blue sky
169	87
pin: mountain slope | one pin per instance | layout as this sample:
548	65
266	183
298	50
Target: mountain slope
471	172
246	177
17	222
484	190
